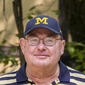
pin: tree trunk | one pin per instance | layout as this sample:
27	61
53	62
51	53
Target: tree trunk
17	9
72	19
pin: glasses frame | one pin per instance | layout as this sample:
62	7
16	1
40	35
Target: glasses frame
43	41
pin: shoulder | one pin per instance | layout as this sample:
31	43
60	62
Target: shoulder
76	73
8	78
76	76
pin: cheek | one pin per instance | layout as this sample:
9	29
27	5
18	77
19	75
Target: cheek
56	52
28	51
29	54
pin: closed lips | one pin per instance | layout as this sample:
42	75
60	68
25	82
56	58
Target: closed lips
41	55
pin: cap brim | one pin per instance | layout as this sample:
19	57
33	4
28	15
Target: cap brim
46	27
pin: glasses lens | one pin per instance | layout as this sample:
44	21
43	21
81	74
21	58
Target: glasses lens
49	41
33	40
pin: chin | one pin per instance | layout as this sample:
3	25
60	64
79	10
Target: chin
41	63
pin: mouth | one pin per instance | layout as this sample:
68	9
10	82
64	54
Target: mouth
42	56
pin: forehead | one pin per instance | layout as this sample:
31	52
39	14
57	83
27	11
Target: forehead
40	31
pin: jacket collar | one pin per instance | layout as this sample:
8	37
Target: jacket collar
21	74
64	75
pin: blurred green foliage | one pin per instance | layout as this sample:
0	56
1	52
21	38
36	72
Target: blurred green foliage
6	55
77	55
57	12
6	58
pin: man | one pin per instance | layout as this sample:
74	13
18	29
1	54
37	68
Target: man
42	47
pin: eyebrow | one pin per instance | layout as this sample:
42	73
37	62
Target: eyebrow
51	35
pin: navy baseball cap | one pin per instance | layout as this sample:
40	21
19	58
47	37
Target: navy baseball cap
43	22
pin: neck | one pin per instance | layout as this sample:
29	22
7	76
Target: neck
42	74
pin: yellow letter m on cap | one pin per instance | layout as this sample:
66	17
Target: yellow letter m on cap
43	20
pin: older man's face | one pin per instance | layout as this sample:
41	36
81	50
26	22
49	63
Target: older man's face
41	54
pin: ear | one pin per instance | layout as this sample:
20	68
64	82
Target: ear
22	44
62	46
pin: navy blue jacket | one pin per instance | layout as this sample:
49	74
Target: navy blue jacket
67	76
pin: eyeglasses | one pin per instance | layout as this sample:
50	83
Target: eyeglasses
48	41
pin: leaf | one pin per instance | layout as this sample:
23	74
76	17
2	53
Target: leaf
30	17
14	62
32	8
12	50
80	0
4	41
6	62
57	12
17	35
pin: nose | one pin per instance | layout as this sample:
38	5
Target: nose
41	46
